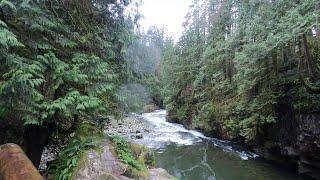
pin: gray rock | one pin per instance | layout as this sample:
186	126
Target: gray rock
139	136
160	174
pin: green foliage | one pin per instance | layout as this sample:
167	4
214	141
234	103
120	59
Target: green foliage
238	61
124	153
61	62
137	157
143	64
86	137
53	64
133	97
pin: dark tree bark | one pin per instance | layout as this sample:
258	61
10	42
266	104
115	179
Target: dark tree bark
311	89
275	63
310	63
35	138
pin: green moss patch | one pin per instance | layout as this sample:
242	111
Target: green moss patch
137	157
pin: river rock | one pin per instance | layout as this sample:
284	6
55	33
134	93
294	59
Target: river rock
107	176
139	136
49	154
160	174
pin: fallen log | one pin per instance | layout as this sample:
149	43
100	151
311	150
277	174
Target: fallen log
15	165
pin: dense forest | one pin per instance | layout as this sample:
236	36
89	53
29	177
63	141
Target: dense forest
61	64
243	70
249	71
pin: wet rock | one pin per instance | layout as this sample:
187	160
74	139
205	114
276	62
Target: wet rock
107	176
160	174
139	136
294	143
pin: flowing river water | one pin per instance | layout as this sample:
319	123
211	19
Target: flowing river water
188	154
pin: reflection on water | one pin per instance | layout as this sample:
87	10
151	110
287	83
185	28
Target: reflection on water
206	161
190	155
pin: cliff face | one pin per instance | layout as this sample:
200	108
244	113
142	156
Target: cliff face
294	141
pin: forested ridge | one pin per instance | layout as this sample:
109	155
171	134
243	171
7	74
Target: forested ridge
249	71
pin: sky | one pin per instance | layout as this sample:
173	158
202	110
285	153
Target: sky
165	13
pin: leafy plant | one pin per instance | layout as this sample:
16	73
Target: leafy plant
86	137
124	153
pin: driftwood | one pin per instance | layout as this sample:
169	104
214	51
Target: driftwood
15	165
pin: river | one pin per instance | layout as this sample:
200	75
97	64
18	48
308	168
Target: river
190	155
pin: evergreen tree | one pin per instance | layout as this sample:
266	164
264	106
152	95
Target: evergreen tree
237	61
61	63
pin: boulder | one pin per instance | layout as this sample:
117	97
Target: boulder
15	165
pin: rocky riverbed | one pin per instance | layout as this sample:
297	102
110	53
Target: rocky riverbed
131	126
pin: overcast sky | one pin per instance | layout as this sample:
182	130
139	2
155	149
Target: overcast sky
167	13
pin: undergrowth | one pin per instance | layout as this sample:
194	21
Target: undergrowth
137	160
86	137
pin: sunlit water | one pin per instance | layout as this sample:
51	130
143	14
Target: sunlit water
188	154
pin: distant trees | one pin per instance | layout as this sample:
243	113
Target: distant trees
143	59
237	60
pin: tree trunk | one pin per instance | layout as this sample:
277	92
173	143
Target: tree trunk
275	63
35	138
311	89
318	20
310	64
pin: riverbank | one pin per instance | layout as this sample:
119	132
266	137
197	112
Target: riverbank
104	163
94	154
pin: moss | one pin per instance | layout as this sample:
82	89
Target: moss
86	137
137	157
87	129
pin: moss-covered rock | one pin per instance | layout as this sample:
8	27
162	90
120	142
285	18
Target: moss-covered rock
86	138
